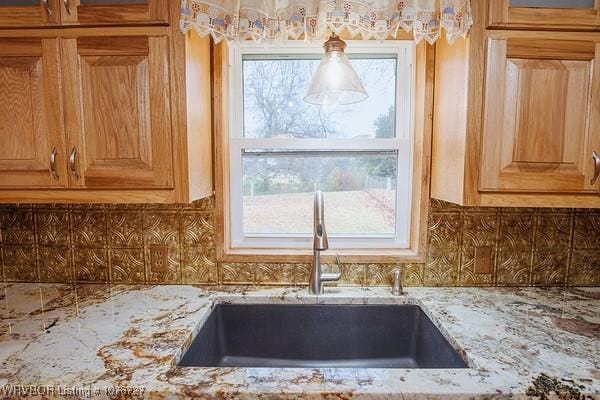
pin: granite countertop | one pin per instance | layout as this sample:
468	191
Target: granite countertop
125	341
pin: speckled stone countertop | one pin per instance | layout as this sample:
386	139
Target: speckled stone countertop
93	340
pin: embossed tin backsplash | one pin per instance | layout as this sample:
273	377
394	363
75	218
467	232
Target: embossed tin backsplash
110	243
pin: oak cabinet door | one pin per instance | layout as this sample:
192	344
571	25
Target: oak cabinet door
31	13
32	143
114	12
542	116
117	112
545	14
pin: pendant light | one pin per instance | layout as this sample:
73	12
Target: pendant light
335	81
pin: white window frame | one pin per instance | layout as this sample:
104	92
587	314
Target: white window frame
405	53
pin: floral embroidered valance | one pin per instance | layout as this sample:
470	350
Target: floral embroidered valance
316	19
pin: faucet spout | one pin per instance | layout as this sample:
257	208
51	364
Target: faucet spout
320	243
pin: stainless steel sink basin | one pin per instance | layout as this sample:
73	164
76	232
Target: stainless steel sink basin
313	336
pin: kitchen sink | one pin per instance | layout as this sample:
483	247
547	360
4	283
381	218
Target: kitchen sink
316	336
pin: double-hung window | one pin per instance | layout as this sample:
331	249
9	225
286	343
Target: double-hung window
281	149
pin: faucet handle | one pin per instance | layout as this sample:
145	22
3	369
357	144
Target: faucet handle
397	288
333	276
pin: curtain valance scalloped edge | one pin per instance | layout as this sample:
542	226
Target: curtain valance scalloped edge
261	20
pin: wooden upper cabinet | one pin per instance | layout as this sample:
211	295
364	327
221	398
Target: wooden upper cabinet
545	14
114	12
517	112
32	149
19	13
542	116
117	112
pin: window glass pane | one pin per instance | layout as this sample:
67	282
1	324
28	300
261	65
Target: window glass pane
359	190
553	3
273	105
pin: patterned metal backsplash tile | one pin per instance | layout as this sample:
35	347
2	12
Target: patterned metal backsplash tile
111	243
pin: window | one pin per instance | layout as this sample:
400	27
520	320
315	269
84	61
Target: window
281	149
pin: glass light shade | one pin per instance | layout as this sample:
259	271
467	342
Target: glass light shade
335	81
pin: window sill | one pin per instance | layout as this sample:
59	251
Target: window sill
305	256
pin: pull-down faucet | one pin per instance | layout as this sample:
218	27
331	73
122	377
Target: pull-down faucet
320	243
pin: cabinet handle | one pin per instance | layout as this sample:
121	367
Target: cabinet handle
47	7
53	163
67	4
596	159
73	163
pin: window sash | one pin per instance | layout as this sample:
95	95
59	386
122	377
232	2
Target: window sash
402	143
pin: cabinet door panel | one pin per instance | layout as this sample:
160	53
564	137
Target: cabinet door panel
117	111
23	13
539	128
545	14
30	114
93	12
